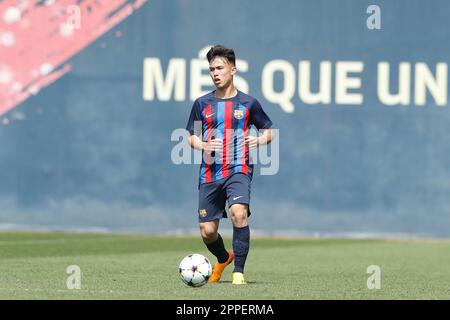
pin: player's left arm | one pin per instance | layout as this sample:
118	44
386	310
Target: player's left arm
264	138
263	123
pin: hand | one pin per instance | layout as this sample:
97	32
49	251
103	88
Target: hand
212	145
252	142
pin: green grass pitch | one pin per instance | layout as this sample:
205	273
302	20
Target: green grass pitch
117	266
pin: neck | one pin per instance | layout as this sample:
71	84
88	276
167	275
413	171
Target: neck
225	93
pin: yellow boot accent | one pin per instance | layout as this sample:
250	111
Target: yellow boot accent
238	278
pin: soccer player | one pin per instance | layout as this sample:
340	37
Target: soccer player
218	125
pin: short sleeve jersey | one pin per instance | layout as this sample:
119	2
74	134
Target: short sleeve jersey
228	120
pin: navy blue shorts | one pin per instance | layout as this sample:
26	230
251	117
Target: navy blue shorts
212	196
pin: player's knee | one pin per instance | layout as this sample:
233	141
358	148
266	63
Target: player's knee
208	233
239	215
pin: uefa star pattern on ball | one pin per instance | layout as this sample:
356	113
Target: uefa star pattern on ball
195	270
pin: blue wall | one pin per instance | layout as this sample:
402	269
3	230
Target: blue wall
89	152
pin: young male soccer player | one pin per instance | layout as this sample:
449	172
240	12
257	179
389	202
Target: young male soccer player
224	117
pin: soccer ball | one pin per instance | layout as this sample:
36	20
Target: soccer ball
195	270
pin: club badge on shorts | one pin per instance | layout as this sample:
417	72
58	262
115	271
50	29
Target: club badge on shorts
202	213
238	114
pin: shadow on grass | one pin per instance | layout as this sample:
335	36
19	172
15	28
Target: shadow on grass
248	282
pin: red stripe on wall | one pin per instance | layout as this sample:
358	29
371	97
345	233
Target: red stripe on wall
44	38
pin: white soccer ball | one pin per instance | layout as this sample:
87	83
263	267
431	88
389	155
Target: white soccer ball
195	270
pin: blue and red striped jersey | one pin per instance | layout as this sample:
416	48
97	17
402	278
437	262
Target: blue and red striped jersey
228	120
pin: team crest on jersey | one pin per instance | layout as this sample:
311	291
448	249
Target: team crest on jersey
202	213
238	114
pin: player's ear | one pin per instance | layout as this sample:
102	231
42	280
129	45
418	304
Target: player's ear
233	69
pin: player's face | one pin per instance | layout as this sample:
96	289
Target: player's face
221	72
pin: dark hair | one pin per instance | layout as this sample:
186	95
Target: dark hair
221	51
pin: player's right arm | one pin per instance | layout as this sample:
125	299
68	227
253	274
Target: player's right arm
194	126
195	142
207	146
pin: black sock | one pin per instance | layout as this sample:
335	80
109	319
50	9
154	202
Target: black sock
241	244
217	248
